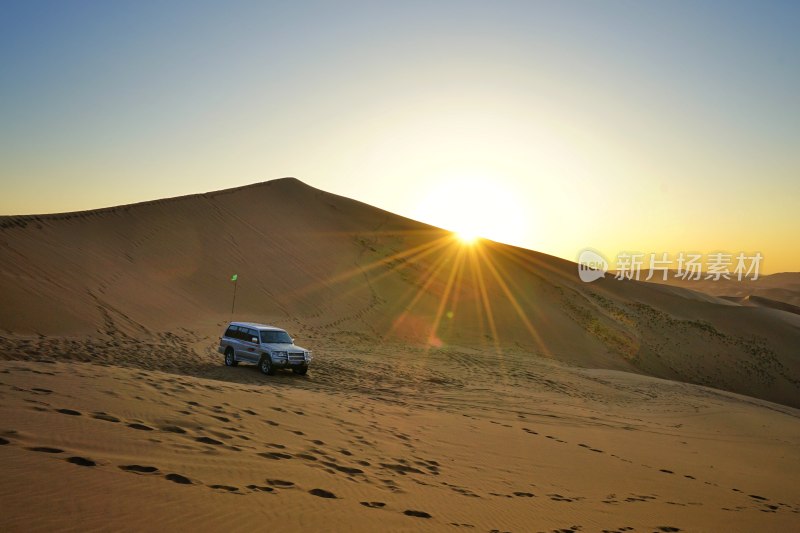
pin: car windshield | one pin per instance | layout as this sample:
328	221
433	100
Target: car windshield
275	337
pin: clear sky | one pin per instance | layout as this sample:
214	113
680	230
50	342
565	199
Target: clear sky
641	126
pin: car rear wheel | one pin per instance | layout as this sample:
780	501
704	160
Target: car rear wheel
230	360
266	366
300	370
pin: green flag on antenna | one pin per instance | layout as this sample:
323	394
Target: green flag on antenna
234	277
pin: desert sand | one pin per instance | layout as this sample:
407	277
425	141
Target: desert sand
454	387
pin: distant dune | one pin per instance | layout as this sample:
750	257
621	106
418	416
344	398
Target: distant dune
148	285
778	291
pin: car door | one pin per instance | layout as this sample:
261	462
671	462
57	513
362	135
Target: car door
234	340
249	348
237	344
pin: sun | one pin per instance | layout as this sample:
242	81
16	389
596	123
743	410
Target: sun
474	207
466	237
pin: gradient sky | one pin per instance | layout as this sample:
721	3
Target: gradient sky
642	126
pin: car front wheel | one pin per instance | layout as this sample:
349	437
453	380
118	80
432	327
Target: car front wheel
300	370
266	366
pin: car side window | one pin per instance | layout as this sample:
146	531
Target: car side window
231	332
251	333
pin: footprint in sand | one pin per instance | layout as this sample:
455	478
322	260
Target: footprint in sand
260	488
418	514
3	441
81	461
373	505
140	427
227	488
208	440
177	478
275	455
280	483
139	469
306	456
69	412
103	416
45	449
322	493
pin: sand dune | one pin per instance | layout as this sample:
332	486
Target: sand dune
778	291
455	388
154	278
752	299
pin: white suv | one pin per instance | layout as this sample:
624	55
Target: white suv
267	346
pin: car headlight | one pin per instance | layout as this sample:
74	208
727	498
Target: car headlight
308	356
